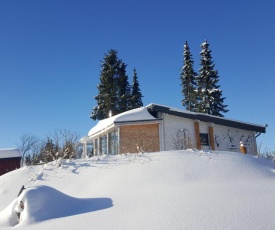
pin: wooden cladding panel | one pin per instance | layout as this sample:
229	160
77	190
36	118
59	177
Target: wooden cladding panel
138	138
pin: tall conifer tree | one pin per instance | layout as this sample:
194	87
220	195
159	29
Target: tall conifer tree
136	96
113	90
188	81
209	94
124	90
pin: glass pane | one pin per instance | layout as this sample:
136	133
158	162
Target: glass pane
204	139
113	142
103	144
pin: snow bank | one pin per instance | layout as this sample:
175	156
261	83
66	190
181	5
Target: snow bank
164	190
40	203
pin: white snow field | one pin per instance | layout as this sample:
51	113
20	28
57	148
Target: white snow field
164	190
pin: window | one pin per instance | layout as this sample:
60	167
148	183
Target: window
103	145
113	142
204	139
90	150
96	147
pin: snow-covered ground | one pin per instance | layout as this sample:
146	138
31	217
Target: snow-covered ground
163	190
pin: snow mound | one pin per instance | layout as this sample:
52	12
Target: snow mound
184	189
40	203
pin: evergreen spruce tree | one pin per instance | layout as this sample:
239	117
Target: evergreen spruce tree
136	96
210	98
106	98
188	80
113	90
124	89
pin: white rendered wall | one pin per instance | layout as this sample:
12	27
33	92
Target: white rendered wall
172	124
225	138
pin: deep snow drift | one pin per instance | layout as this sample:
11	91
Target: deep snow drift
164	190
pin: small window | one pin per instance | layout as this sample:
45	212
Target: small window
204	139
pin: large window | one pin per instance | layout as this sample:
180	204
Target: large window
96	150
103	145
90	150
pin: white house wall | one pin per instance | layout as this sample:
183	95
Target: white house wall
172	124
225	138
204	127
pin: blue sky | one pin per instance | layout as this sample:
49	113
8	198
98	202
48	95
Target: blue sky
50	53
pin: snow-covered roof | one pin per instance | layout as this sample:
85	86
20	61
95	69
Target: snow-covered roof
134	115
144	114
10	153
153	108
84	139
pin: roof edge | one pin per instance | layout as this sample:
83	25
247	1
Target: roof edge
206	118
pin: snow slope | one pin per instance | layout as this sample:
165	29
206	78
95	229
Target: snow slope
164	190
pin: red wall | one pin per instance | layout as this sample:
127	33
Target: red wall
9	164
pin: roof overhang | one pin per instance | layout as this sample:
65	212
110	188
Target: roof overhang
154	108
84	139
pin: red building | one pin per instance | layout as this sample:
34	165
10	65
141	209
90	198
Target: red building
9	160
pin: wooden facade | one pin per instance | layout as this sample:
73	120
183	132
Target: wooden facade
10	159
139	138
9	164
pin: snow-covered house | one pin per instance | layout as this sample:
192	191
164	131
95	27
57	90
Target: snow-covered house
161	128
9	160
126	132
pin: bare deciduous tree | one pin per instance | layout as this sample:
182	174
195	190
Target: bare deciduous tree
182	140
65	144
58	145
28	145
